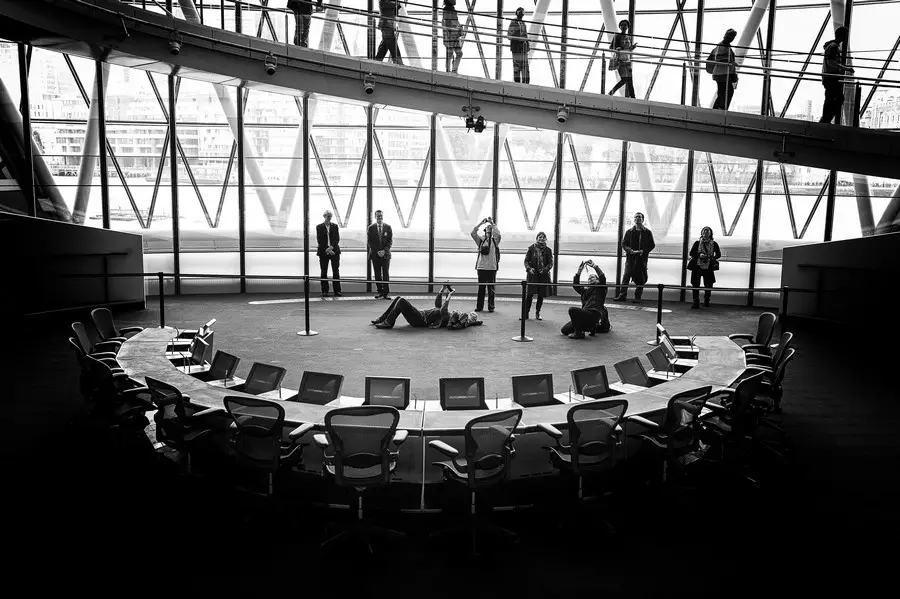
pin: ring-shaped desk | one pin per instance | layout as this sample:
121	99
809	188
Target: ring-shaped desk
720	362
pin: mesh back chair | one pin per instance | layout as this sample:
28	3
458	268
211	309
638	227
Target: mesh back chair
387	391
532	390
106	326
358	454
462	394
765	356
262	379
771	390
764	329
591	382
631	372
101	349
109	391
679	433
223	367
179	423
489	452
258	439
593	439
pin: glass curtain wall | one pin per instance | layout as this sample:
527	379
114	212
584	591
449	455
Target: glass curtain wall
510	172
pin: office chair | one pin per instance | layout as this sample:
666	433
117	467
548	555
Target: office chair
593	439
679	434
631	372
360	457
489	452
179	424
223	367
259	439
771	392
262	379
101	349
764	329
768	357
110	392
107	329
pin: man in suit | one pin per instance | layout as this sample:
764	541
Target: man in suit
328	237
380	238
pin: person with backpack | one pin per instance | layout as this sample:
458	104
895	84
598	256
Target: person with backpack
487	261
623	44
722	65
831	75
303	10
452	36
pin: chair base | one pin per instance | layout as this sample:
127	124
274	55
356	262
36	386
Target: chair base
361	531
475	530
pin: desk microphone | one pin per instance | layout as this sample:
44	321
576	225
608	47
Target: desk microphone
496	400
692	341
416	401
570	393
186	363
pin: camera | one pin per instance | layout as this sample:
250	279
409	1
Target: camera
369	84
271	63
562	115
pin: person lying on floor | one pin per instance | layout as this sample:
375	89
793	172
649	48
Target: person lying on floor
434	318
462	320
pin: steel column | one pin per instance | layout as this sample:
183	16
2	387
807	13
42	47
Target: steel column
557	229
432	198
498	57
754	235
623	190
370	40
767	74
100	76
27	152
698	55
370	193
306	126
563	60
173	173
242	207
688	205
495	170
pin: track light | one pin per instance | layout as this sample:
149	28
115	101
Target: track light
174	44
471	121
271	63
369	84
562	115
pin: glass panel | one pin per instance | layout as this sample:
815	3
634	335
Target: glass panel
873	35
796	35
861	203
463	194
478	19
9	70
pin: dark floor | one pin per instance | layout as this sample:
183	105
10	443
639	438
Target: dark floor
89	511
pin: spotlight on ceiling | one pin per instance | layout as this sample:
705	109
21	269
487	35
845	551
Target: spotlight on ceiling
175	44
479	124
562	115
271	63
471	121
369	84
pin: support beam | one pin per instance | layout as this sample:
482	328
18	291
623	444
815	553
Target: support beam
89	152
173	174
242	200
27	178
100	74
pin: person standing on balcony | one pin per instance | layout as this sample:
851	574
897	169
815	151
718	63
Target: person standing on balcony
452	36
637	243
519	46
303	10
723	66
388	26
705	254
623	44
831	75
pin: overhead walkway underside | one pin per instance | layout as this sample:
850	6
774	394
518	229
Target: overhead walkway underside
97	29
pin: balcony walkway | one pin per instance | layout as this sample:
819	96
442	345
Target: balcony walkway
97	29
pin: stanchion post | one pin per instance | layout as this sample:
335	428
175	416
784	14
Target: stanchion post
522	337
162	300
784	308
307	332
659	298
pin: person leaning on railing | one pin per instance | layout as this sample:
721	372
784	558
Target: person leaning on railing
303	10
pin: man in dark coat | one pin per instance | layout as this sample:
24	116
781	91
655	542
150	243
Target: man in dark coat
328	240
637	244
302	10
380	238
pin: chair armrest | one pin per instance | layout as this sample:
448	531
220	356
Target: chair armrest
118	340
130	329
206	412
550	430
714	407
641	420
760	368
751	356
321	441
447	450
104	355
399	437
755	347
111	362
736	336
111	346
300	431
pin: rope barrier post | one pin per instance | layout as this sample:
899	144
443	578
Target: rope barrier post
784	308
659	298
162	300
306	332
522	338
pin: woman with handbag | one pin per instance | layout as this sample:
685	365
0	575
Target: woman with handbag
623	44
487	262
704	262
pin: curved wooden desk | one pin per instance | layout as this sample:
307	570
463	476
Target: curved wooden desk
720	363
